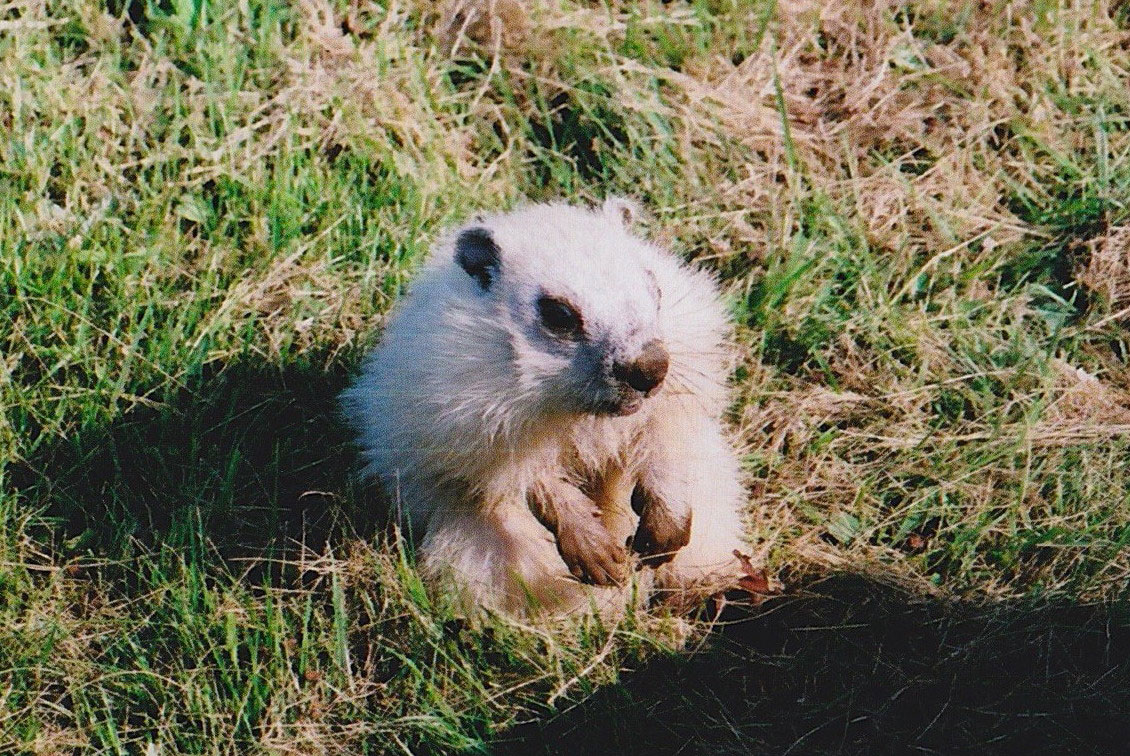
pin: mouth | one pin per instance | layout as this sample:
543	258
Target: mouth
621	406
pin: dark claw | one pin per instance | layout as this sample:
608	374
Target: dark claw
659	535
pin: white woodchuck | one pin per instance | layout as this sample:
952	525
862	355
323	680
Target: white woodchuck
544	409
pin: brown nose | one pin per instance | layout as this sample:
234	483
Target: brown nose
648	369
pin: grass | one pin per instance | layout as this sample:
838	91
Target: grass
919	213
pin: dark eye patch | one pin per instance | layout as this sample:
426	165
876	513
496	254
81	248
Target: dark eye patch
559	317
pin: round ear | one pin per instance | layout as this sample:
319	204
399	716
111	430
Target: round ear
478	255
622	210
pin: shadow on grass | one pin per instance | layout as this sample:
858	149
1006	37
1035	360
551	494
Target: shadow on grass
851	666
246	460
252	460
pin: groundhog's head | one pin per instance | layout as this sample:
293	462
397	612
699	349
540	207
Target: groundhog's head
576	298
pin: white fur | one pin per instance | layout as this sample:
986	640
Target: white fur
461	409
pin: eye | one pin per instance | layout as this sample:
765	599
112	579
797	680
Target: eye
559	317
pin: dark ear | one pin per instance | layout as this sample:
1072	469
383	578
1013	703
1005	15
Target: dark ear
476	253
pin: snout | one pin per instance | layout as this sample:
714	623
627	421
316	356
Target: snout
646	372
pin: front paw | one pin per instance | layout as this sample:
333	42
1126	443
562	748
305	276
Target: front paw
590	552
660	533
